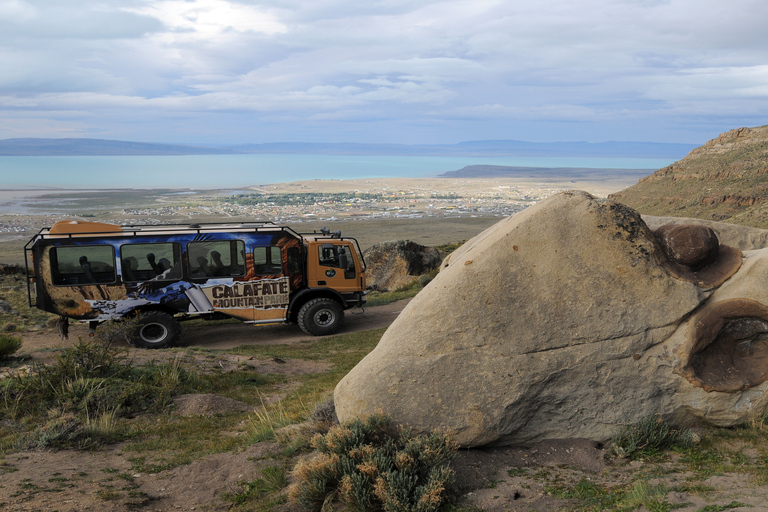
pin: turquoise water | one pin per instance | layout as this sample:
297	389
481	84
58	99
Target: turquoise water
227	171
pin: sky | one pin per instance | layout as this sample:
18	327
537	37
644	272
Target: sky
382	71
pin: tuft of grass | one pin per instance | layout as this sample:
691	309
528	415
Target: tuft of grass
9	345
649	438
273	480
79	400
640	496
644	495
269	419
377	298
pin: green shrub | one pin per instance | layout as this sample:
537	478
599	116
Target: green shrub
8	345
273	480
89	358
650	436
427	278
79	398
372	465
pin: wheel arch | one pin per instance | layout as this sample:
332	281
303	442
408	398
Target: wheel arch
306	295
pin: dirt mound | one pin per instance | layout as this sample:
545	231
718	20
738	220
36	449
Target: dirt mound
204	404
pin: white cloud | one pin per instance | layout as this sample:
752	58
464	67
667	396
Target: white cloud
408	61
16	11
203	19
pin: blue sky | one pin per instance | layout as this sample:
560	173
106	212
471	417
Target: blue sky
393	71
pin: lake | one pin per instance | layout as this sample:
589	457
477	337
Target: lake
228	171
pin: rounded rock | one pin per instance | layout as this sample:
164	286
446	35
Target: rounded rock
690	245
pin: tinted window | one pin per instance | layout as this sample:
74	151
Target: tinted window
294	260
335	256
267	260
144	262
85	264
225	258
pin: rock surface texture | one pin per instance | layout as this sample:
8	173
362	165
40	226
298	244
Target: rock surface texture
568	320
741	237
392	264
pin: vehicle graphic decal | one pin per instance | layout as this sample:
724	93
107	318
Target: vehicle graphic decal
262	294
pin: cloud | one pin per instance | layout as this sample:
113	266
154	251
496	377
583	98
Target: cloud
430	63
204	19
25	23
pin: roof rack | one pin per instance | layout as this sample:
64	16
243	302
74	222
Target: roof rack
70	229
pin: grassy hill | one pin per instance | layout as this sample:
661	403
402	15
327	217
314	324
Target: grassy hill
724	180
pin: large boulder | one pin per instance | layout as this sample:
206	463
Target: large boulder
392	264
568	320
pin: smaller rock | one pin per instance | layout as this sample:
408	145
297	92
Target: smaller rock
5	307
692	246
396	263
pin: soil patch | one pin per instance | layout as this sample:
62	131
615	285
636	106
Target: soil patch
492	479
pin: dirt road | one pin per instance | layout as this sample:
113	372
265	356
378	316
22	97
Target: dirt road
219	335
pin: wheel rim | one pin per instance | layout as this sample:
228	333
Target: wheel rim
325	317
153	333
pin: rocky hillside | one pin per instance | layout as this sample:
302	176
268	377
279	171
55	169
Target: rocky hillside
725	180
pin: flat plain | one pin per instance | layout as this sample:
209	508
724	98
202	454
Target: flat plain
430	211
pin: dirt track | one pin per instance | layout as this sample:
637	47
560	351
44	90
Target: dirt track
229	335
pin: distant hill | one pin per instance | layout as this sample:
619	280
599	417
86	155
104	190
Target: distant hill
724	180
502	171
100	147
481	148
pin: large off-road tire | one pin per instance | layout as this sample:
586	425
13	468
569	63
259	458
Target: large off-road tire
155	330
320	317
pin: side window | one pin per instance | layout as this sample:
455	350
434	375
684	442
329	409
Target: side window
223	258
294	260
329	255
145	262
85	264
267	260
337	256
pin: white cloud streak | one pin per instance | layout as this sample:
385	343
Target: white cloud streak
397	70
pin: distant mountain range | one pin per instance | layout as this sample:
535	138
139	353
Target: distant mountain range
484	148
502	171
724	180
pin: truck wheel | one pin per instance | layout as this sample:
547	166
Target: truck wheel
320	317
155	330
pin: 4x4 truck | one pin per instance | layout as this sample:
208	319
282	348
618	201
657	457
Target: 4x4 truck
257	272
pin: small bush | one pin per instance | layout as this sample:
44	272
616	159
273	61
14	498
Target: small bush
80	398
650	436
323	416
427	278
8	345
371	465
273	480
89	358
